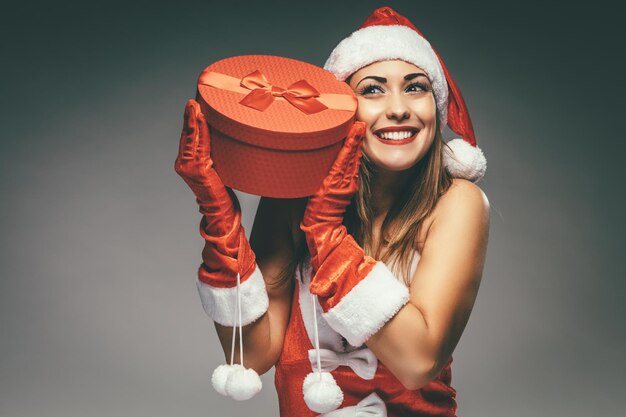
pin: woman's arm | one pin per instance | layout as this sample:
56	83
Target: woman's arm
418	341
272	244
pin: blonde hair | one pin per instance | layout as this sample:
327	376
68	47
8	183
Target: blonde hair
400	229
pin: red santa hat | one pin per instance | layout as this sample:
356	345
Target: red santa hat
387	35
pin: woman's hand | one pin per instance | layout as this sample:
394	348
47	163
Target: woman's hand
323	217
194	165
226	251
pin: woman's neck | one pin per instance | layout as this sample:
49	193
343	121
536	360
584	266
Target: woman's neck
386	187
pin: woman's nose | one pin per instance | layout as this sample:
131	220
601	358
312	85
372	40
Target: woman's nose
397	109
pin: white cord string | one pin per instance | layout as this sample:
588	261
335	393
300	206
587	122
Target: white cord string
232	346
240	321
317	338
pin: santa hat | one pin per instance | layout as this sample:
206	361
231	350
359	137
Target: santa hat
387	35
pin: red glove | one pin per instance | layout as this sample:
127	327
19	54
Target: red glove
357	294
226	251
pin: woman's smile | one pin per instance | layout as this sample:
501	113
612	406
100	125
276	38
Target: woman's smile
396	135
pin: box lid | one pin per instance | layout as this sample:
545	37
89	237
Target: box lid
276	102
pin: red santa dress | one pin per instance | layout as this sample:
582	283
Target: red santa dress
369	388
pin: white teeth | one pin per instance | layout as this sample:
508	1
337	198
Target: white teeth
395	135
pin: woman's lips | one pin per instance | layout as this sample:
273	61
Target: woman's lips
397	141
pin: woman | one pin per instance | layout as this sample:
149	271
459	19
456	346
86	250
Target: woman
388	254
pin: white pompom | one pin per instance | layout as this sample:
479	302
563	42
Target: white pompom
220	376
463	160
321	395
243	384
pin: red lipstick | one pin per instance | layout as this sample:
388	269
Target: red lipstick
396	129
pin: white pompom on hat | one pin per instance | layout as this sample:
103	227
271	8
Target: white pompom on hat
386	35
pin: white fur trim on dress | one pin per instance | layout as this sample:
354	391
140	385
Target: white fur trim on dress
328	338
463	160
383	43
368	306
220	303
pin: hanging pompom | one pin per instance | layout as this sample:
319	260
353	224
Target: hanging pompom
243	384
463	160
220	376
321	395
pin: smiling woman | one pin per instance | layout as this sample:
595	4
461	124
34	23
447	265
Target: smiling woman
395	277
387	255
398	107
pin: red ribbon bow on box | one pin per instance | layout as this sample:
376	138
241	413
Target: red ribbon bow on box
260	94
300	94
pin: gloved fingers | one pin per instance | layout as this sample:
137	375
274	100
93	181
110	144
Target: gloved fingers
345	156
203	148
357	129
352	170
188	137
352	166
343	167
194	164
329	203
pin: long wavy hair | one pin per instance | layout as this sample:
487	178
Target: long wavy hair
400	229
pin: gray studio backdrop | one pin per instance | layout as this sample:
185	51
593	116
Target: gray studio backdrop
99	314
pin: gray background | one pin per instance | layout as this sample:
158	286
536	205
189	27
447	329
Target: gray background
99	314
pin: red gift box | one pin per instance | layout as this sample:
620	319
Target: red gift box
276	123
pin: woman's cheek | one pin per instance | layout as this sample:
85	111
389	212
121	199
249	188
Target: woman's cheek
368	111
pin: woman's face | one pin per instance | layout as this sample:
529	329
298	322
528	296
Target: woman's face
397	105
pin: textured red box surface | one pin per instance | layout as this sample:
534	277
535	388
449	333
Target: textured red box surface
281	151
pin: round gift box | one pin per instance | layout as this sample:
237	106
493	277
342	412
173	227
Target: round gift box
276	123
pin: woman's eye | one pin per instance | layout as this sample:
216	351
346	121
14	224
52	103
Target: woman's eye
416	87
370	89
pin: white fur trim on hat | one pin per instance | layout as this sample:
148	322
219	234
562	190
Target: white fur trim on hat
382	43
220	303
463	160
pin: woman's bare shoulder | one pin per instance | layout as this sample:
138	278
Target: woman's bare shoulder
465	191
463	199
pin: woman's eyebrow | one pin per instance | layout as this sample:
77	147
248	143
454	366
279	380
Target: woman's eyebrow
383	80
409	77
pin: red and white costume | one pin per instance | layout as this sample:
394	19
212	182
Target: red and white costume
370	391
355	295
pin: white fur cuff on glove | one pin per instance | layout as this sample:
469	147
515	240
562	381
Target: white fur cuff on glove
221	303
368	305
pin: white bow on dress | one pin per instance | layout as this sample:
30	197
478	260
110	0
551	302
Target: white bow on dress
370	406
363	361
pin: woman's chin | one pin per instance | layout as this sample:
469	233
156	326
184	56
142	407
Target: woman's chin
394	158
392	166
